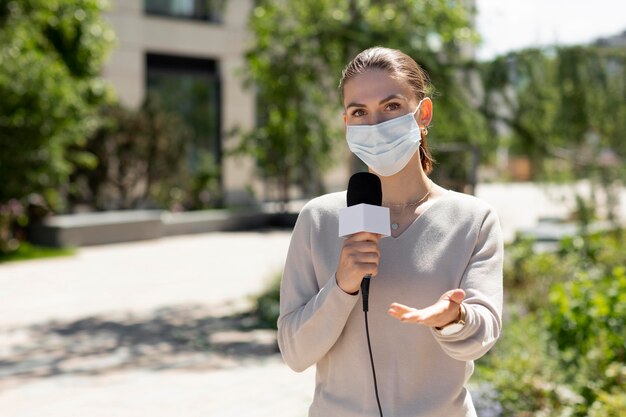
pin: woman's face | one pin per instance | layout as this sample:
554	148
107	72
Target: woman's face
374	96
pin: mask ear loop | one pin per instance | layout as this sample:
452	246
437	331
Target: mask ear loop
418	106
424	129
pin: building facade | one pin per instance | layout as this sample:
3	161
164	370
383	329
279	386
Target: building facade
189	53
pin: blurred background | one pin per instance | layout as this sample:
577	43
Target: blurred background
154	155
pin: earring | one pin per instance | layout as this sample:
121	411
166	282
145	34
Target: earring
425	131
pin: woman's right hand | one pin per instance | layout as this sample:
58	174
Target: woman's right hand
359	257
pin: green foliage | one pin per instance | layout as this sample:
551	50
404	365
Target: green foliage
27	251
141	160
267	304
524	373
565	108
204	190
13	219
527	273
587	322
51	53
296	61
567	357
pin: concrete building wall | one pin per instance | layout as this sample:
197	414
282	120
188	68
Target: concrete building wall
225	42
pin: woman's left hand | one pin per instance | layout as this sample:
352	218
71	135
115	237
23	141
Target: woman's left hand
443	312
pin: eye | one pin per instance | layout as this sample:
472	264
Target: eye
358	113
392	106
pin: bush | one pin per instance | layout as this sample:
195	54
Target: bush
267	304
51	53
141	156
565	354
528	275
143	160
524	372
587	324
13	219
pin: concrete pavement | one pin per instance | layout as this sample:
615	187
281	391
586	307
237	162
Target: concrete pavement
146	328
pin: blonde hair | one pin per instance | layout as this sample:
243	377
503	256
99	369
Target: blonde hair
399	65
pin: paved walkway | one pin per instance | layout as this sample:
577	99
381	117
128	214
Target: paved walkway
149	328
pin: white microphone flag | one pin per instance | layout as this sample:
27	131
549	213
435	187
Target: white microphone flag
364	218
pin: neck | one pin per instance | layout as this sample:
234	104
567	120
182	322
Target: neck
407	186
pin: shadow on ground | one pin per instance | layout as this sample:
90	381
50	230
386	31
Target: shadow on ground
186	337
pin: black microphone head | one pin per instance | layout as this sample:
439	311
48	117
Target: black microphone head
364	188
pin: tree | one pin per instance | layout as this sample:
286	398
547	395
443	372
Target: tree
142	161
296	61
559	103
565	109
51	53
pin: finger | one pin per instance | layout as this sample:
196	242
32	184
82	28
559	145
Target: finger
439	313
366	269
408	315
364	236
364	247
456	296
366	258
400	307
412	317
398	310
395	313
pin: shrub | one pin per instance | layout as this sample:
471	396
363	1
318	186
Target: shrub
587	324
524	373
565	354
51	54
528	276
267	304
13	219
141	156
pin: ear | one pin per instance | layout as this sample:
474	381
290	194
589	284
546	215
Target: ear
425	115
345	119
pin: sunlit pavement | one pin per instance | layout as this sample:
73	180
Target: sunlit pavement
146	328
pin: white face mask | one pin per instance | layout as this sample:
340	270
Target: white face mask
386	147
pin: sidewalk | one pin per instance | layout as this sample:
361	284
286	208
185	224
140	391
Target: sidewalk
147	328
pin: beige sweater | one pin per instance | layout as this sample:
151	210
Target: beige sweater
456	243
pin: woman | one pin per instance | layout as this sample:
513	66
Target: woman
435	299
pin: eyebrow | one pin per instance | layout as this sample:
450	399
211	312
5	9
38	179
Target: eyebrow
383	101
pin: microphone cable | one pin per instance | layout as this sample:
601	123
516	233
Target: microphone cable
365	291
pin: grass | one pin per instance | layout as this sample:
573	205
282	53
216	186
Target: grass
27	251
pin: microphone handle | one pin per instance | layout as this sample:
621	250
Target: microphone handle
365	291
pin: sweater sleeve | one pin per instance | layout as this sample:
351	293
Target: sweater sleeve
482	282
311	318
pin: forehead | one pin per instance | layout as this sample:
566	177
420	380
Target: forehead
372	86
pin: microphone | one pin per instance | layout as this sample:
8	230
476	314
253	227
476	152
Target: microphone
364	214
364	188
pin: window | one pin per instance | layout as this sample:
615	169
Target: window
189	87
209	10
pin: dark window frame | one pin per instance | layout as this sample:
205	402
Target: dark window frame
206	67
208	16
